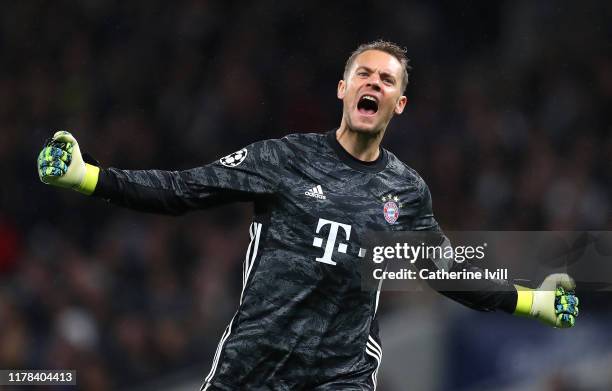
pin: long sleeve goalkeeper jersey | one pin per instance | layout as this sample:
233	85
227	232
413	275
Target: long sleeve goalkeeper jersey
303	321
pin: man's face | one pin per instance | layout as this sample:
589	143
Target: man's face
372	92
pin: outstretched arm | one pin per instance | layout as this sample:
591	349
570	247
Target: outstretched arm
553	302
244	175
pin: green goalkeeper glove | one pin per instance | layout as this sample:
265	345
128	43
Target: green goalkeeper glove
60	164
553	302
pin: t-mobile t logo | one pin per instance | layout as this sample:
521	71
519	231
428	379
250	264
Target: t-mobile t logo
331	240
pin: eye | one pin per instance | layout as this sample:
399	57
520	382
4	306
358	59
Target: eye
389	81
362	73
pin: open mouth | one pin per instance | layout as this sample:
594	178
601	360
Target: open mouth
367	105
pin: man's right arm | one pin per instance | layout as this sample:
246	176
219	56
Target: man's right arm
241	176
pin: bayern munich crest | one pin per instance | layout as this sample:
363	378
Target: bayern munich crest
391	208
234	159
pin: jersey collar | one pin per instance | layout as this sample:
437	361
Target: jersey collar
374	166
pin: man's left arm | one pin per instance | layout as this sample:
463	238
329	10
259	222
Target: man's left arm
553	302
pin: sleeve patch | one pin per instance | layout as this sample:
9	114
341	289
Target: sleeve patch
234	159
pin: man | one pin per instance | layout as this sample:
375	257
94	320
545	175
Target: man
303	321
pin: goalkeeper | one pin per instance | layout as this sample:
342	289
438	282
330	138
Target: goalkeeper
303	321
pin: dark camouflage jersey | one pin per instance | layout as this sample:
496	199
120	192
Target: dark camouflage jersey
303	321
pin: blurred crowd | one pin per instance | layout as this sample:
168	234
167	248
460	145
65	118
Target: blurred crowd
507	120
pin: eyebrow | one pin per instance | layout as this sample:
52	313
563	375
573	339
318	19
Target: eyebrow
371	70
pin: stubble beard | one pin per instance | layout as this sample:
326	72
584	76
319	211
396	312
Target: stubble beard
364	131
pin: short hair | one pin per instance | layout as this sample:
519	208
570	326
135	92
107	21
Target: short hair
384	46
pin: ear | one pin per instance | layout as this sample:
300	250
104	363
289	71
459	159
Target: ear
341	89
400	104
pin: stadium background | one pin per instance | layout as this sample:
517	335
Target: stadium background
508	121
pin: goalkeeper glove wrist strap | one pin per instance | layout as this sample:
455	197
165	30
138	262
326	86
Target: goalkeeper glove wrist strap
90	180
524	301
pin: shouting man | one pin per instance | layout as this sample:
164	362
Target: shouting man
303	321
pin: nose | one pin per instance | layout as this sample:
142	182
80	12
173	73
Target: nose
374	82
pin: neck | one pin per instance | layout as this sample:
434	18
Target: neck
361	145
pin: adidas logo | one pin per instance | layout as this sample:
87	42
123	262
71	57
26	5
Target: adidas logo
316	192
